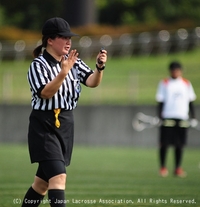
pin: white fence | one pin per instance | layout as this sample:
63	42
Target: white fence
144	43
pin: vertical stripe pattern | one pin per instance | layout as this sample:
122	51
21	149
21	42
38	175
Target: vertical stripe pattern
42	71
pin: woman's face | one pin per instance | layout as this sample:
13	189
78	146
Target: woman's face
60	45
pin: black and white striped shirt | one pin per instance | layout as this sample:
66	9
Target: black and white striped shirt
43	70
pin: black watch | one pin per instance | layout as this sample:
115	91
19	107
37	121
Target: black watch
100	69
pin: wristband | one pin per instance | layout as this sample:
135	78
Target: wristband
100	69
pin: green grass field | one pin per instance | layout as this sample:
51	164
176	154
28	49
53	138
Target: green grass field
107	177
126	80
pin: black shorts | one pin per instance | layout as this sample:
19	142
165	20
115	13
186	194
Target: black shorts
46	141
173	135
49	169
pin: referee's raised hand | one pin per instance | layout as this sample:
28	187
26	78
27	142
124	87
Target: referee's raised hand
67	63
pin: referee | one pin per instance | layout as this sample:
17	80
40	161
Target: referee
55	76
175	96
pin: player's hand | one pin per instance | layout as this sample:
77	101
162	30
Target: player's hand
67	63
155	121
193	123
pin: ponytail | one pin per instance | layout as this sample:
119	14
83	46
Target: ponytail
37	51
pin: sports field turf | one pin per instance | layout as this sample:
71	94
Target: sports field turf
106	177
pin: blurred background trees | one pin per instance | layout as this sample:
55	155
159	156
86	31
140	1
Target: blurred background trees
31	14
148	11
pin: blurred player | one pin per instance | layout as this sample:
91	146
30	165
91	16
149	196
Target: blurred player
175	96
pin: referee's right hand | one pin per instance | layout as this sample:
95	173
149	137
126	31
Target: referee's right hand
67	63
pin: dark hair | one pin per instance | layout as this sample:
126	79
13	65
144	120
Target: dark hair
38	50
174	65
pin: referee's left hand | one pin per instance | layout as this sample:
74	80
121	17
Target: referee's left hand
101	57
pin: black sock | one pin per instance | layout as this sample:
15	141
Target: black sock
57	197
163	152
178	156
32	198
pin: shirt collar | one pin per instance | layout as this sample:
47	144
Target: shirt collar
50	59
178	78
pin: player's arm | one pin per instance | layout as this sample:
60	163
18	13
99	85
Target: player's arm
159	109
193	121
191	110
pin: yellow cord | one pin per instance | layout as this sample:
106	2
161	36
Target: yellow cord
57	122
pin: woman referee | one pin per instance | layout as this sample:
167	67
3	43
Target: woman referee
54	77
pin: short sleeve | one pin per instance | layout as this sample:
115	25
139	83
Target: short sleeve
192	95
84	71
37	76
160	94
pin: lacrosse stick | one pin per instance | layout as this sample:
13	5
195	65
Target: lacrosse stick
142	121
